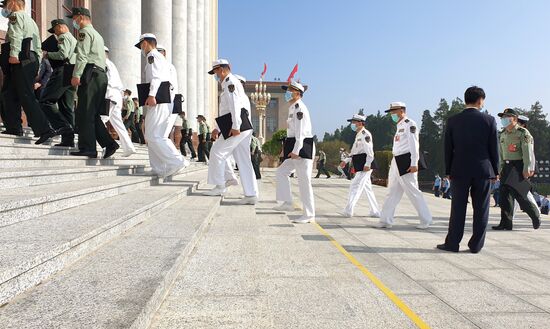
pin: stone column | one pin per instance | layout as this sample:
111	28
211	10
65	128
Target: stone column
206	56
120	25
179	45
192	103
200	57
156	19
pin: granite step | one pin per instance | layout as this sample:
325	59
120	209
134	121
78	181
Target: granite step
22	177
43	150
121	284
24	203
56	161
33	250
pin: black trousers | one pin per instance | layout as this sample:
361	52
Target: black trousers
19	91
91	100
256	159
480	191
322	169
57	103
202	149
508	195
186	140
140	132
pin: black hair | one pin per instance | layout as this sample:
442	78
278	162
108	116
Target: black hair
473	95
223	66
151	41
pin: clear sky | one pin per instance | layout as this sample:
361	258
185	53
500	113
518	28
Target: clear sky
365	54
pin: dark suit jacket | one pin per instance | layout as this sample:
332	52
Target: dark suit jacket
471	145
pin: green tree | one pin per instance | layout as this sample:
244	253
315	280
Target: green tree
539	128
430	137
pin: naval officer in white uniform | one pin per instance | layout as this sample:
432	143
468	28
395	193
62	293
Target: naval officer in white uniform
405	143
362	150
164	157
232	101
300	132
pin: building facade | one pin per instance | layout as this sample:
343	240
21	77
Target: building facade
188	29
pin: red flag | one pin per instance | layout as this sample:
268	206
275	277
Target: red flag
265	70
291	76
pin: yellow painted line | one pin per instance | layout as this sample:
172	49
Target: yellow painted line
379	284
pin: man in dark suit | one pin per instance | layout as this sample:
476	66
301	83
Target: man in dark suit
471	162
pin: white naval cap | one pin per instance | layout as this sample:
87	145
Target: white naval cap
396	106
217	63
296	86
160	47
146	36
240	77
358	117
523	118
106	49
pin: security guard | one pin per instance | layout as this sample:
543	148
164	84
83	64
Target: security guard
522	122
362	181
114	95
163	155
90	77
203	131
57	100
232	102
515	155
405	142
24	58
321	165
299	128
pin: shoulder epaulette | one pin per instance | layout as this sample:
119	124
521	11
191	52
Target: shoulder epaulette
297	105
227	80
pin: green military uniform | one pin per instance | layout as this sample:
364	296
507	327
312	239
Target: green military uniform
256	155
129	114
203	130
57	100
514	153
24	39
186	136
90	68
321	165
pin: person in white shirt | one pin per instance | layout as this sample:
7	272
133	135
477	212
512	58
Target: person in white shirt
233	103
362	157
300	141
405	143
175	90
164	157
114	95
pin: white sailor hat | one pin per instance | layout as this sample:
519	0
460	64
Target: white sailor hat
160	47
358	117
106	49
523	118
217	63
396	106
146	36
296	86
240	77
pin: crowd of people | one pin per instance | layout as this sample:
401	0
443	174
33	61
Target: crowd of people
476	155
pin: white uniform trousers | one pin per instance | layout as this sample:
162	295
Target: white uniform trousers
361	183
171	120
229	172
115	118
304	168
163	155
239	147
407	183
531	199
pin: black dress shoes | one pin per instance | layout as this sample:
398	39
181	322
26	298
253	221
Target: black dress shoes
501	228
536	223
444	247
110	150
89	154
46	136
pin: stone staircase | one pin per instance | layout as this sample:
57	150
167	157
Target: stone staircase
91	243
